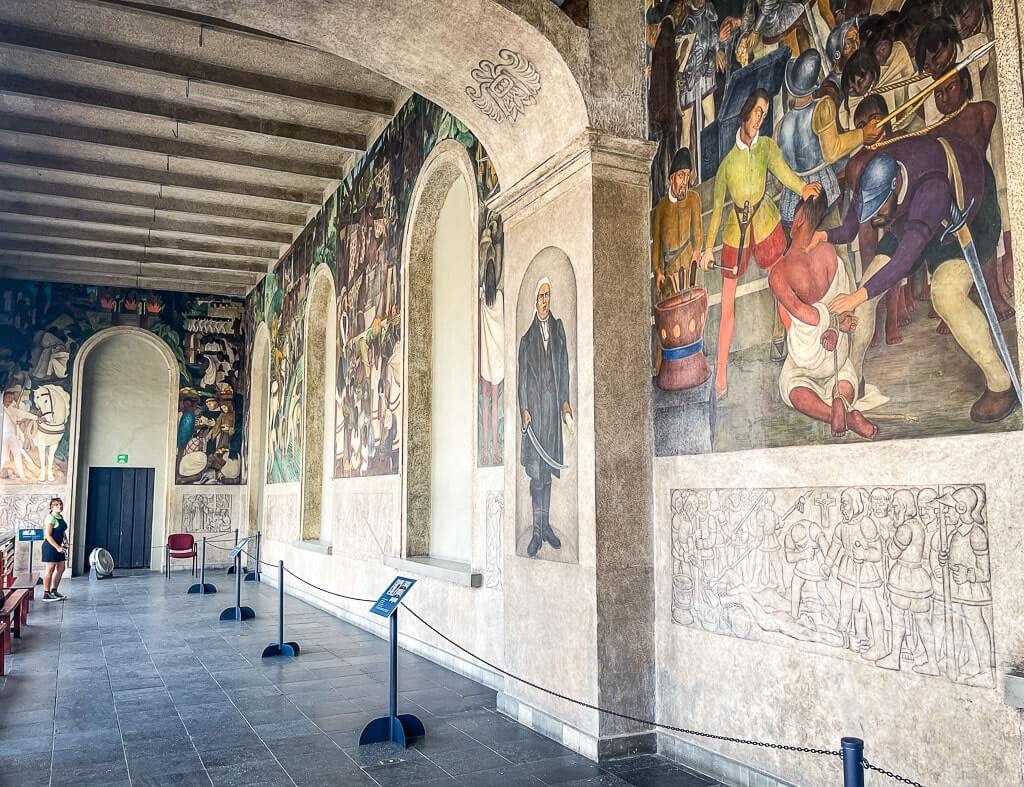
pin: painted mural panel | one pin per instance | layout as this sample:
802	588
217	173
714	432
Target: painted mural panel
42	328
896	577
547	525
359	234
830	194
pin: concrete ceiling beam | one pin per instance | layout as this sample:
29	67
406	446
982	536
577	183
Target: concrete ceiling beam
137	237
20	267
138	254
12	155
186	113
168	147
157	220
196	70
40	185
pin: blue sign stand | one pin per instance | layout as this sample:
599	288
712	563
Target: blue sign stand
202	586
395	727
280	648
31	535
238	612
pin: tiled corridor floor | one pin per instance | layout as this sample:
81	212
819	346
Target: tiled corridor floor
131	681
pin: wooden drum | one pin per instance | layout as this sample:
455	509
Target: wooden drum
680	323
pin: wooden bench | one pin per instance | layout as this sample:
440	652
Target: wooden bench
14	611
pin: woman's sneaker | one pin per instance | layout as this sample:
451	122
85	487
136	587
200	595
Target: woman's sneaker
59	596
48	596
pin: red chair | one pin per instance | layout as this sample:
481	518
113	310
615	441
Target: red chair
181	546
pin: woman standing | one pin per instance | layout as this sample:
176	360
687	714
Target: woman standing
54	550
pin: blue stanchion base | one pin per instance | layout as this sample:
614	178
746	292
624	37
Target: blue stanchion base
232	613
281	649
231	569
401	729
200	587
252	576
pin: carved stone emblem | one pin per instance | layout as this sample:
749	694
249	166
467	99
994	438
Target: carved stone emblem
505	88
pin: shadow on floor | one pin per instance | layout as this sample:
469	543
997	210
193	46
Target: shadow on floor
133	682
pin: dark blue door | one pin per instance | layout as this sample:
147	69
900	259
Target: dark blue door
119	514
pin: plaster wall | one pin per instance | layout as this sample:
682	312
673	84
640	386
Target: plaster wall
125	402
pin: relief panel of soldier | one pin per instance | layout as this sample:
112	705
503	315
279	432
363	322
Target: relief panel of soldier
830	176
897	577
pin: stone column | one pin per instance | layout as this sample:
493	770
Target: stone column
580	619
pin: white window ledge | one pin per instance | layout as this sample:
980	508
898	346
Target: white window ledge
314	545
436	568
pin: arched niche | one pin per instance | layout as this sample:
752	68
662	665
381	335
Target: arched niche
259	426
547	472
130	404
446	181
318	406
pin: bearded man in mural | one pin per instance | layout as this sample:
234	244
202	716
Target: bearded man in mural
544	409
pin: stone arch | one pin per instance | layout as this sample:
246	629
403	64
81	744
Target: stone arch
259	426
319	370
76	492
447	163
469	41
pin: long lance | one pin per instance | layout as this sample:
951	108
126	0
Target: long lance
816	35
913	103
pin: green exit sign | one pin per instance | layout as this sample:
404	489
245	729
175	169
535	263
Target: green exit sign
122	459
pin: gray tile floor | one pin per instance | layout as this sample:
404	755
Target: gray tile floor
131	681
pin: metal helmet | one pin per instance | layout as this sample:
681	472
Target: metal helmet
836	39
877	183
802	74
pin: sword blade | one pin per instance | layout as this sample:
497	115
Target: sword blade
974	264
545	457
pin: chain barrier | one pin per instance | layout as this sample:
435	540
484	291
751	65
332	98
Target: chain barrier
894	776
625	716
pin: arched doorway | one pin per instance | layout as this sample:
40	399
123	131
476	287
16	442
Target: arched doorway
123	416
441	298
259	423
318	404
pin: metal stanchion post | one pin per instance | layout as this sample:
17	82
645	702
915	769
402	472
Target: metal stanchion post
238	612
280	648
231	568
202	587
853	762
167	563
254	575
395	727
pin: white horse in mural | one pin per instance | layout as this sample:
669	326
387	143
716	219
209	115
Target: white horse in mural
53	403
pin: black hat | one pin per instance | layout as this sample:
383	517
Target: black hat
681	160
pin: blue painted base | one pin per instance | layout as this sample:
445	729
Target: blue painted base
398	729
281	649
252	576
231	569
200	587
232	613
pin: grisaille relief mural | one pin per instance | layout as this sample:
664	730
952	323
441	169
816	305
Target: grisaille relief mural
893	576
831	252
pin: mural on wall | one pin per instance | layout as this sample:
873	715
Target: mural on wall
546	510
898	577
24	510
359	234
491	431
42	326
494	511
835	171
204	513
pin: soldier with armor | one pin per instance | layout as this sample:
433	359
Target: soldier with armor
909	586
809	135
